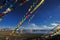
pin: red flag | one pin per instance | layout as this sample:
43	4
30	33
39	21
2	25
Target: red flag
22	1
2	15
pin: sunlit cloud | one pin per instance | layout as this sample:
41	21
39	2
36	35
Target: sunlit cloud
54	24
34	26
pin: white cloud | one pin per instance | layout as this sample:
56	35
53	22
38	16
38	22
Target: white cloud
47	27
54	24
43	27
34	26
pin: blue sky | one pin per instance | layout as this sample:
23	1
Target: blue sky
46	14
